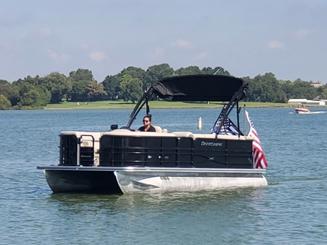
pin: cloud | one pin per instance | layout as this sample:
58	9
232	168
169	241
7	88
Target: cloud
302	33
275	44
84	46
56	56
201	56
97	56
158	52
44	32
3	46
183	44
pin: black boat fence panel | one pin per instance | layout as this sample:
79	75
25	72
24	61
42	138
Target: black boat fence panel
86	150
122	151
68	150
76	150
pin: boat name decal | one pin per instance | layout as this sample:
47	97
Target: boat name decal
214	144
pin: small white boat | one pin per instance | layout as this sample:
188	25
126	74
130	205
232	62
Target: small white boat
306	111
302	110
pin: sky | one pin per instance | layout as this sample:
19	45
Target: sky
247	38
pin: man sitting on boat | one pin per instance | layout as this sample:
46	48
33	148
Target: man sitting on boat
147	127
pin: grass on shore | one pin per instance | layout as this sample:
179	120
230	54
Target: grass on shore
153	104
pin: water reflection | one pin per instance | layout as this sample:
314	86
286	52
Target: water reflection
158	202
174	217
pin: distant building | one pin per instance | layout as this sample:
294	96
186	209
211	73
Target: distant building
316	84
307	102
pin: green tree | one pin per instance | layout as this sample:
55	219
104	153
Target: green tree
265	88
95	91
79	91
111	85
10	91
4	103
323	92
156	73
81	75
287	87
58	85
131	88
190	70
134	72
31	92
5	88
215	71
303	89
32	96
81	80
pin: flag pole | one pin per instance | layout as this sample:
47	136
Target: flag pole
238	119
244	124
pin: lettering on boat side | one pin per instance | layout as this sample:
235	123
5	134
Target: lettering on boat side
213	144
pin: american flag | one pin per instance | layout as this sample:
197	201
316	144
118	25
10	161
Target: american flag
227	128
259	158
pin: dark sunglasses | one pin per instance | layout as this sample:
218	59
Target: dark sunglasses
145	120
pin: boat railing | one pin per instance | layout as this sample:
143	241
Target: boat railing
78	149
178	149
85	150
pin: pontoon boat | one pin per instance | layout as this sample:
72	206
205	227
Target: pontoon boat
124	160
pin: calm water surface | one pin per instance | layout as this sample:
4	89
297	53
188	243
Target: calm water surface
291	210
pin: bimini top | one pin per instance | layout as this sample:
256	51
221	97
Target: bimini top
199	88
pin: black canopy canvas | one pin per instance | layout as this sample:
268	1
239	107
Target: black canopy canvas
199	88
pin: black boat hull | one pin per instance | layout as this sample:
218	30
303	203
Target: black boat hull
82	181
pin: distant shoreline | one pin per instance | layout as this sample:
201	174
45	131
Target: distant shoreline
97	105
153	104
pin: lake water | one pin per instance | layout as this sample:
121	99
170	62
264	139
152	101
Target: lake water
291	210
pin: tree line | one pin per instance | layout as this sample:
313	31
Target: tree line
131	82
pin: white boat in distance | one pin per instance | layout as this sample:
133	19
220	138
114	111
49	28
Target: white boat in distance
124	160
302	110
305	111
